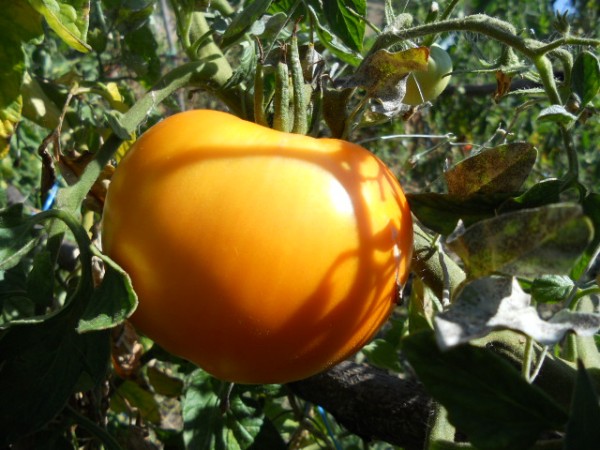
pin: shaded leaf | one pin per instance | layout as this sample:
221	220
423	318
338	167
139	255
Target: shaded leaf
501	169
243	21
16	236
533	242
583	432
551	288
591	208
40	366
441	212
139	398
585	76
14	300
164	384
209	424
40	280
334	109
497	303
111	303
382	353
141	54
485	396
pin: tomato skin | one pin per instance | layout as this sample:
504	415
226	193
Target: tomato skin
261	256
431	82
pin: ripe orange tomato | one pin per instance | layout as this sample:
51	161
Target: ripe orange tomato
422	86
261	256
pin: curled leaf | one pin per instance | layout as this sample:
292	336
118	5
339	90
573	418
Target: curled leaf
493	303
383	75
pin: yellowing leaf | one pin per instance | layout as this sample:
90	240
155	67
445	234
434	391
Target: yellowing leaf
68	18
384	68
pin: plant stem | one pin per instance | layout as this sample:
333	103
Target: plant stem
572	175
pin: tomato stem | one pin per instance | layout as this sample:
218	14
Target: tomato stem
300	125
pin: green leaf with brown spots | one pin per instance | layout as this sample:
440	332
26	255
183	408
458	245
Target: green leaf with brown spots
529	242
501	169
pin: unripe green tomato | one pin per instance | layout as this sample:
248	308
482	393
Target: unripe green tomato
426	85
261	256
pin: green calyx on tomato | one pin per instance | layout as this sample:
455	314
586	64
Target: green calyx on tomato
423	86
259	255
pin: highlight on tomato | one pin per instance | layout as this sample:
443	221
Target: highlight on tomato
425	85
261	256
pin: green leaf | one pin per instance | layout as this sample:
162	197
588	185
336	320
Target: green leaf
40	281
543	193
583	432
345	19
332	42
142	57
382	353
243	21
591	208
19	24
441	212
14	301
138	397
557	114
486	397
585	77
16	236
40	366
163	383
112	302
551	288
68	18
529	242
501	169
211	424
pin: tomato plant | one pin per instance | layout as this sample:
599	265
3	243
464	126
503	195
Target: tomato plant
264	257
426	85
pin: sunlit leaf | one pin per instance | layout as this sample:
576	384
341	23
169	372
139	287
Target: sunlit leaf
501	169
497	303
383	75
536	241
344	18
557	114
543	193
551	288
332	42
68	18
